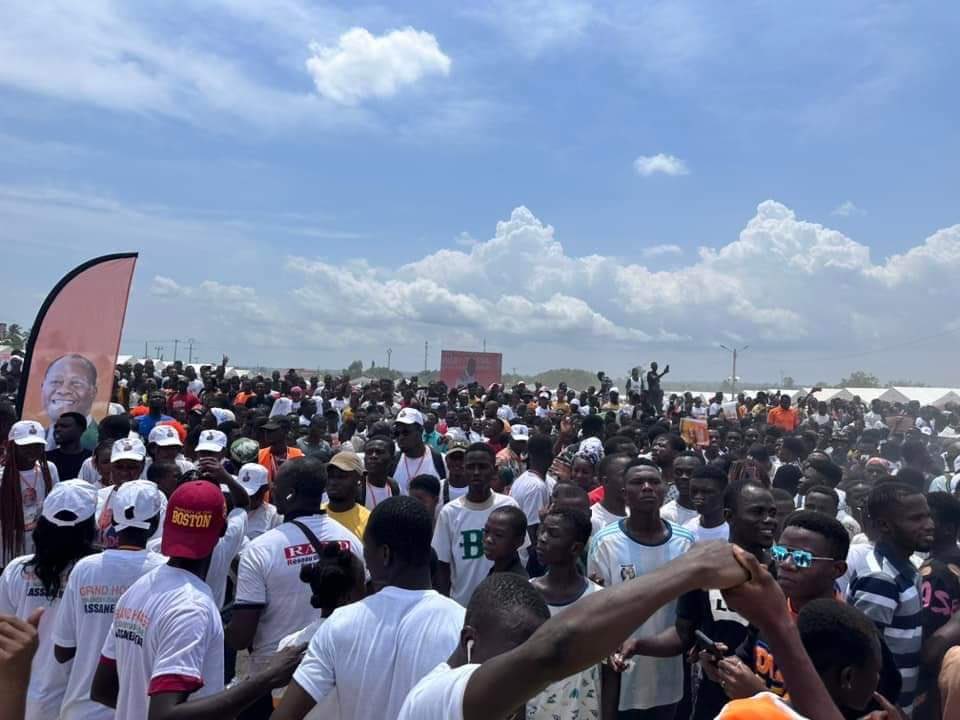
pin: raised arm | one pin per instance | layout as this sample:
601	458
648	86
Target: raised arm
591	630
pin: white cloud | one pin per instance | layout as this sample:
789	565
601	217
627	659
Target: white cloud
847	208
659	250
363	65
534	26
257	68
772	287
647	165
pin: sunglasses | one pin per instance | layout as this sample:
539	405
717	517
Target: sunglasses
802	559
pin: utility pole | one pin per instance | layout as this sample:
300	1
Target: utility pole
389	353
190	351
146	352
158	348
733	377
484	344
175	343
426	348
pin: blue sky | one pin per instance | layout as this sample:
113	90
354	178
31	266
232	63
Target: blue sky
309	182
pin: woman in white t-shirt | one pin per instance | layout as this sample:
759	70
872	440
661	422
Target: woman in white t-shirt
26	479
64	533
336	579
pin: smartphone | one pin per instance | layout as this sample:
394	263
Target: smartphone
707	644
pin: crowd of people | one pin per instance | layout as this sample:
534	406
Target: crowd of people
294	547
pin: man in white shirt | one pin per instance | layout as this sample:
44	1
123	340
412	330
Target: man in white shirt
166	640
707	486
681	510
502	661
93	588
371	653
635	547
271	601
611	508
415	457
458	537
530	490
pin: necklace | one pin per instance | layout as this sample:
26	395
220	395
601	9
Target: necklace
406	467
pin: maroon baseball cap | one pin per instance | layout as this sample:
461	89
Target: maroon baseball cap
196	516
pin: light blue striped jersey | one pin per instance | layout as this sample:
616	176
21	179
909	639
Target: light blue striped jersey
615	558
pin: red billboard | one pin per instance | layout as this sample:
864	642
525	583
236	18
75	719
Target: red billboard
462	367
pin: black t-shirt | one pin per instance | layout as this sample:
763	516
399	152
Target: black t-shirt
68	464
756	654
707	612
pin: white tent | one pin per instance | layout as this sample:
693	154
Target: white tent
828	394
867	394
892	395
937	397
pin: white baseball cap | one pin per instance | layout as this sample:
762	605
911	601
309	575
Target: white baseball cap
27	432
77	497
135	503
164	436
410	416
212	441
520	432
128	449
253	476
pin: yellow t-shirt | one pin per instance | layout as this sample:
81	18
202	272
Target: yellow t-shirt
354	520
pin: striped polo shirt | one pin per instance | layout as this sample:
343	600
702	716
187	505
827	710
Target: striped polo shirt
887	590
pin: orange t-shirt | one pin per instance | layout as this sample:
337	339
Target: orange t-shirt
785	419
265	458
762	706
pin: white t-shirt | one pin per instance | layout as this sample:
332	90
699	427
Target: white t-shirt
531	493
698	412
452	492
439	696
376	495
576	697
33	492
408	468
371	653
616	558
228	547
165	624
329	707
600	517
90	474
85	616
21	592
458	541
677	513
262	519
702	534
269	575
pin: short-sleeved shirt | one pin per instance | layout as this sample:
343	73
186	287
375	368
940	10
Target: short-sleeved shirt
616	558
166	636
21	592
531	494
354	519
576	697
373	652
939	593
269	577
439	696
887	591
458	541
86	614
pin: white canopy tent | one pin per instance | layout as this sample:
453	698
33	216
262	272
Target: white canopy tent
937	397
